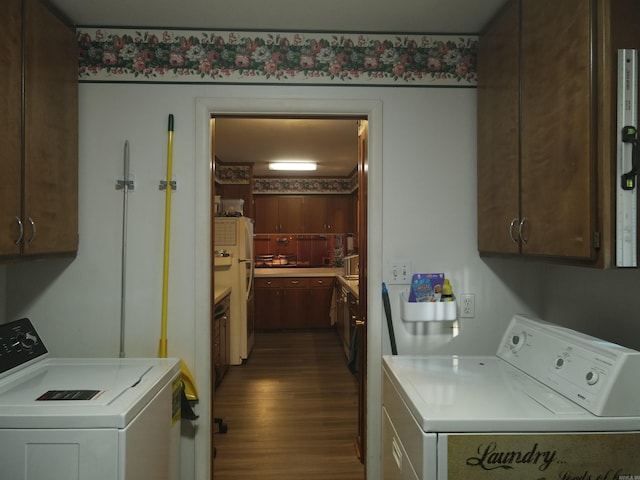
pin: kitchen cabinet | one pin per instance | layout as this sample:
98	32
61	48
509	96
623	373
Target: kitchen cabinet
293	302
302	213
278	214
39	124
220	339
317	310
546	127
267	294
326	214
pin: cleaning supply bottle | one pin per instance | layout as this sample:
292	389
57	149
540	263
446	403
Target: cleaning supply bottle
447	291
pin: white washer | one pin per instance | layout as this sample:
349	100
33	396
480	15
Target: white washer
101	418
552	403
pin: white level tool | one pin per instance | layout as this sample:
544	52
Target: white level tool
626	178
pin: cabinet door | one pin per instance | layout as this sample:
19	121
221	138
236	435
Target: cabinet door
499	133
290	214
315	213
268	301
557	128
50	203
338	214
266	211
319	306
295	303
10	122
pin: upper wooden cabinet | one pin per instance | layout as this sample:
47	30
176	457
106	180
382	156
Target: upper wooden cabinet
302	213
546	127
278	214
326	214
39	124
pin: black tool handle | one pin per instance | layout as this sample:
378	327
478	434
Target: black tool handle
628	180
387	311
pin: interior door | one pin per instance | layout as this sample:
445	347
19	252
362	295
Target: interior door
361	321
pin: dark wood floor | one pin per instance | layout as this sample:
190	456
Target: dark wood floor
291	412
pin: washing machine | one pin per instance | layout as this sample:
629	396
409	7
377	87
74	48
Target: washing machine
85	418
552	403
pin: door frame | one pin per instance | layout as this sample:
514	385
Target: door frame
206	107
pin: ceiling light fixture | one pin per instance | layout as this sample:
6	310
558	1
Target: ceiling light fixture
293	166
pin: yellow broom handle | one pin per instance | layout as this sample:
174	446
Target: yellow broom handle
162	348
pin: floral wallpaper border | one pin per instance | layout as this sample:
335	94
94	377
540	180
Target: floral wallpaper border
233	174
304	185
198	56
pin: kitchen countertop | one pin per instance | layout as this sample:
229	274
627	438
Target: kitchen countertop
297	272
352	285
283	272
220	292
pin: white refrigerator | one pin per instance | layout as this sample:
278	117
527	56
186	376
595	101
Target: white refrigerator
233	261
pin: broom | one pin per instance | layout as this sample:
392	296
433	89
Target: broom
190	390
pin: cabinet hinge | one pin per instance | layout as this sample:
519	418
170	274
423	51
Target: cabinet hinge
596	240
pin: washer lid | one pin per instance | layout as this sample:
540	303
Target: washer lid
486	394
82	393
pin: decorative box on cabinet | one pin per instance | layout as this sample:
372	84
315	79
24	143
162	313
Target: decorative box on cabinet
546	127
39	214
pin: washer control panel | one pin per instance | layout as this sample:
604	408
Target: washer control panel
598	375
19	344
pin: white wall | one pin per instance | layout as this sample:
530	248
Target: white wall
425	208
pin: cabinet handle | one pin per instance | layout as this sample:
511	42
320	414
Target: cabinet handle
33	231
294	282
511	225
21	234
521	230
269	282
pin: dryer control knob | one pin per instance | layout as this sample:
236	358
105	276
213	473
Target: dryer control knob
592	377
26	341
517	341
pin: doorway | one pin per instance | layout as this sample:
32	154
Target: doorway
245	146
372	110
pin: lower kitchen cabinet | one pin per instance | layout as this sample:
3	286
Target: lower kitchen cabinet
267	294
220	339
318	307
293	302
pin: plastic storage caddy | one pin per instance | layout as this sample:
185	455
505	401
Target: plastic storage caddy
426	311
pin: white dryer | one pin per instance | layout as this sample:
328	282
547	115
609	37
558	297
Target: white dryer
551	404
81	419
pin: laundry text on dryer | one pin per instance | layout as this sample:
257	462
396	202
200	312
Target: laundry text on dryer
490	458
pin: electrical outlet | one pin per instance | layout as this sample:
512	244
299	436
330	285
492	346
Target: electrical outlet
467	305
400	272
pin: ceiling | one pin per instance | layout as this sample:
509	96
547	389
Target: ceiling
332	143
408	16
